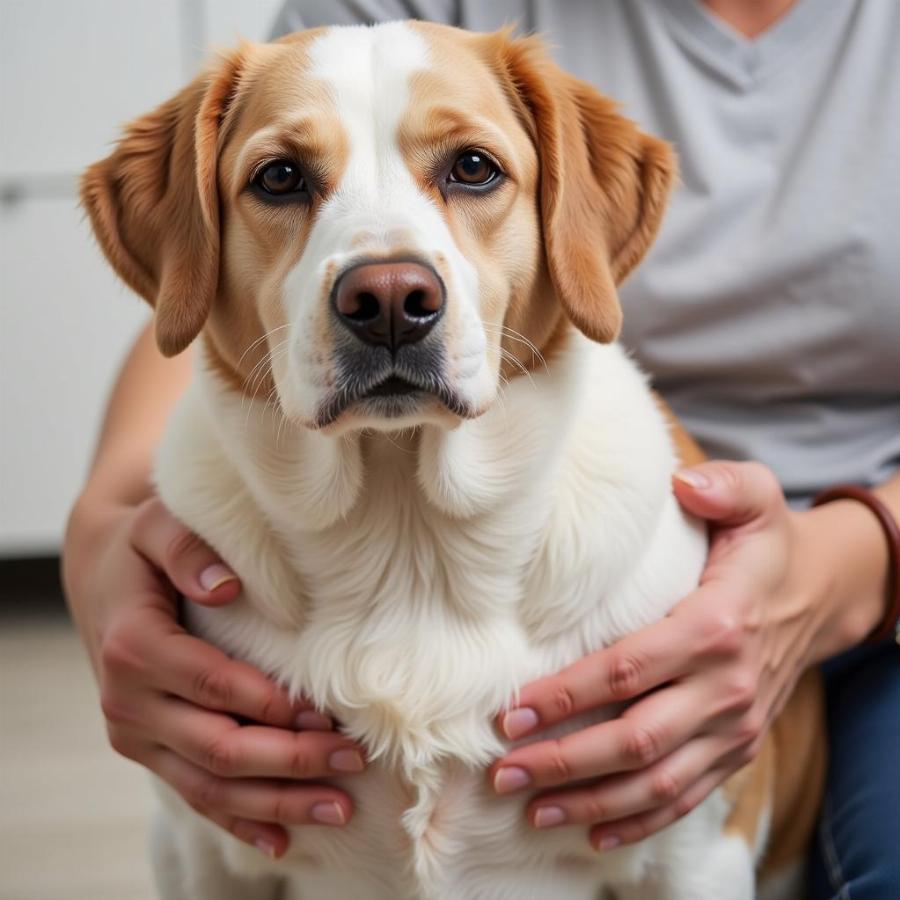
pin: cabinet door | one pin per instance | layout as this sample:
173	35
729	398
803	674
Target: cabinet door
65	323
72	71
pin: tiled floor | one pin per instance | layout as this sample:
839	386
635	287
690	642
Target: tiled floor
72	814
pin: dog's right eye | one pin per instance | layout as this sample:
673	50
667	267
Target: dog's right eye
281	178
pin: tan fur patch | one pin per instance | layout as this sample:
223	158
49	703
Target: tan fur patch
750	792
785	780
686	448
458	104
262	245
801	752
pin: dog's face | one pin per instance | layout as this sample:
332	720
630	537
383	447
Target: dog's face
376	225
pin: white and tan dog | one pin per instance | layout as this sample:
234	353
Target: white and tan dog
412	436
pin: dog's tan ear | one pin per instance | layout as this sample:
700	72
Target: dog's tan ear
154	205
603	183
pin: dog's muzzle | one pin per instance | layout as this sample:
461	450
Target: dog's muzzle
390	357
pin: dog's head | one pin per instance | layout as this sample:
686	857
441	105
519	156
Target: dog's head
376	225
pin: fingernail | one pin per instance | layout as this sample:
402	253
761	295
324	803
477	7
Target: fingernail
547	816
510	778
610	842
328	814
519	721
346	761
265	847
694	479
215	576
314	721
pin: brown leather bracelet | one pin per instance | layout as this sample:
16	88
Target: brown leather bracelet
888	628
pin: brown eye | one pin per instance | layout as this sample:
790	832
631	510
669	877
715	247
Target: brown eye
474	168
280	178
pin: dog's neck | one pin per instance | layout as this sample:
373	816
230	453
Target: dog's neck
307	481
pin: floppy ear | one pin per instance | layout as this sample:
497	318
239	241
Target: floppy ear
154	205
603	184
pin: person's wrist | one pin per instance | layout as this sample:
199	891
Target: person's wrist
89	531
92	516
888	576
847	560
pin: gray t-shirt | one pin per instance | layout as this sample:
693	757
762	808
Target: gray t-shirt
768	311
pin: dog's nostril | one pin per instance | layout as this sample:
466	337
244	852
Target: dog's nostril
367	308
420	304
414	305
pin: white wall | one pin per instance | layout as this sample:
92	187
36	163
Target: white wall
71	71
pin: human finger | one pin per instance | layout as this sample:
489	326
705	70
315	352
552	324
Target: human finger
189	563
253	799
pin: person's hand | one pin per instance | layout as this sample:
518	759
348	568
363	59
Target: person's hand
710	677
217	730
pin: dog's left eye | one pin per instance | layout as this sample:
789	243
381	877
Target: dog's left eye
281	178
474	168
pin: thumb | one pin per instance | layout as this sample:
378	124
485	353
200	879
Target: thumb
728	493
186	561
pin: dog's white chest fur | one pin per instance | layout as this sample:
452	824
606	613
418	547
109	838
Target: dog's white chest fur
409	584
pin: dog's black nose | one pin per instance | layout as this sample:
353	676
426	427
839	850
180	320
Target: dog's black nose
389	304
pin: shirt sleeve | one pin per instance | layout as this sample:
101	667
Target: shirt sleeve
298	14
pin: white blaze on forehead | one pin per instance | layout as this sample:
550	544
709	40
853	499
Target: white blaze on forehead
368	71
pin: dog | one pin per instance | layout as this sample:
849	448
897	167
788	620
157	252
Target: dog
412	434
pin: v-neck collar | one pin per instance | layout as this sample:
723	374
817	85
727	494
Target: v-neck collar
741	60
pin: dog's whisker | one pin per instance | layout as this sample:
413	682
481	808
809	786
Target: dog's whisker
258	375
514	335
513	361
259	340
259	368
536	355
262	369
272	396
264	358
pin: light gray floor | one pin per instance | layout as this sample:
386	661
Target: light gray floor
73	815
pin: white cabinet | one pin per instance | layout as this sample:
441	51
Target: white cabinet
65	323
71	72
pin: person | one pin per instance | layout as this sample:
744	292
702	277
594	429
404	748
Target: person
768	316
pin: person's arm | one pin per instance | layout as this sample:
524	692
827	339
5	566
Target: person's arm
781	591
142	399
172	701
143	396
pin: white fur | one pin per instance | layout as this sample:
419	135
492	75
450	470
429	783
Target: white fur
416	615
410	582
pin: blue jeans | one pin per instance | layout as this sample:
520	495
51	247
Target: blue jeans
856	855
